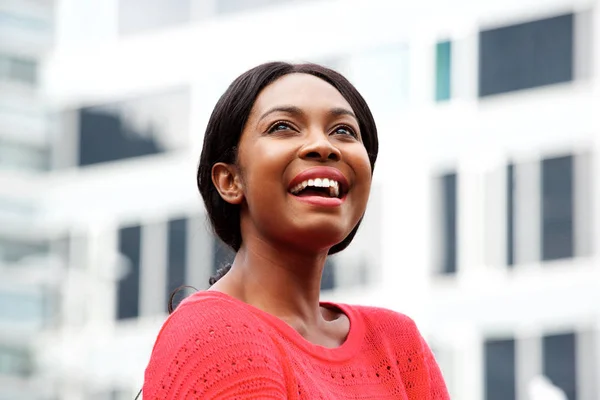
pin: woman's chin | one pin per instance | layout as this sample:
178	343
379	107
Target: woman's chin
317	238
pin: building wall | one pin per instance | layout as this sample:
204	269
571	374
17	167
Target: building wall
436	239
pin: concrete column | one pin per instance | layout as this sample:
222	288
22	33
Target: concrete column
527	212
153	269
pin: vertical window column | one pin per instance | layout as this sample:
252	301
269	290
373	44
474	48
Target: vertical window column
500	375
177	258
443	75
557	208
448	214
128	290
560	362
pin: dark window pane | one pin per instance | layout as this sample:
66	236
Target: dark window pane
449	211
328	278
105	137
560	365
500	382
146	125
177	255
510	215
557	208
443	58
526	55
222	255
128	292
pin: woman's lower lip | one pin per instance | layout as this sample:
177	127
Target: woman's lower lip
321	200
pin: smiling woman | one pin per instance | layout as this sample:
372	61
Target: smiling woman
285	174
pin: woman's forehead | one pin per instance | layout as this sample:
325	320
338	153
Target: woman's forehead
304	91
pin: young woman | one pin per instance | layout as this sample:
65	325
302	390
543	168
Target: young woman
285	174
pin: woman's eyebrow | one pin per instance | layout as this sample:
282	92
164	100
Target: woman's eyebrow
336	111
287	109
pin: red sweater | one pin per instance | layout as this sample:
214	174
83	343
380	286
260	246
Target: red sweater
217	347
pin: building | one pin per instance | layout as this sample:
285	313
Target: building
28	295
486	178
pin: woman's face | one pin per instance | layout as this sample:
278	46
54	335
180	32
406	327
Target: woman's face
306	175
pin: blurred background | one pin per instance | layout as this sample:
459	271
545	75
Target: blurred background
482	221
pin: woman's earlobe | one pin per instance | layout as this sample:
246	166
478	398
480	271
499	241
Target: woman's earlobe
226	180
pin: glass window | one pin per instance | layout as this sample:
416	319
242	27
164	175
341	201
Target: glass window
30	307
560	363
500	381
443	62
22	156
134	128
234	6
557	208
177	255
526	55
449	209
157	14
15	361
18	69
128	291
14	251
510	215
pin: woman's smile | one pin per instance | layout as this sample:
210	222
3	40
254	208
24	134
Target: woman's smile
320	186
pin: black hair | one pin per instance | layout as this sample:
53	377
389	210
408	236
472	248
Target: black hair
225	128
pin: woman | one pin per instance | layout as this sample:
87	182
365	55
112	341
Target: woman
285	174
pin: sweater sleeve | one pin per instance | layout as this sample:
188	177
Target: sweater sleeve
424	377
210	352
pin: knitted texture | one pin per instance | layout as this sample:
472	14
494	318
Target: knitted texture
217	347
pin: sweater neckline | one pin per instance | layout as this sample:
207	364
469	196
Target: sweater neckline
346	350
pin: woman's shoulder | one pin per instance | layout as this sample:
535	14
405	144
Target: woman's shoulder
207	316
383	317
210	338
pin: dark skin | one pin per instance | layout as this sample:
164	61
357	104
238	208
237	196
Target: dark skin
297	122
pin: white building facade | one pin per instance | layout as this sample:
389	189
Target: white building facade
482	221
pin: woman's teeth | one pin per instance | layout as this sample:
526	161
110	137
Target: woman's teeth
334	186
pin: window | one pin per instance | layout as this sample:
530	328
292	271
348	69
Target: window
328	278
526	55
157	14
500	361
30	307
134	128
443	62
557	208
23	156
18	69
448	214
560	364
14	251
222	255
177	255
128	292
510	215
15	361
233	6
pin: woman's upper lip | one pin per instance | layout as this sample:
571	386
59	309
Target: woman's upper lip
321	172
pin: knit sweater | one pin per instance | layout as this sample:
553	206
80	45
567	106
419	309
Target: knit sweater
217	347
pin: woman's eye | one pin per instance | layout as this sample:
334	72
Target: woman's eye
279	126
345	130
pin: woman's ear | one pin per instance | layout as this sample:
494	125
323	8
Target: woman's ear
226	179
